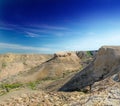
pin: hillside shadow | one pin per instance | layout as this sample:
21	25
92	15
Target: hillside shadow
86	78
80	80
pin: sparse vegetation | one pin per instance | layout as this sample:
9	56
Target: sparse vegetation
4	88
4	65
49	78
32	85
85	86
24	63
89	53
12	86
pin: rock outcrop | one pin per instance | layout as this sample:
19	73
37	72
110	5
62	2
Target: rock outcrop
63	54
106	64
59	65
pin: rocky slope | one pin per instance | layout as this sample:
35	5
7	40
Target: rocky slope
60	64
105	65
105	93
98	84
11	64
56	67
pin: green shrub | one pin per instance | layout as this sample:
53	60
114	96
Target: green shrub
12	86
89	53
4	65
8	87
32	85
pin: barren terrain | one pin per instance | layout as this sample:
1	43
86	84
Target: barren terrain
62	79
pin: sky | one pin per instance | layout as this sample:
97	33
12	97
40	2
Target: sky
49	26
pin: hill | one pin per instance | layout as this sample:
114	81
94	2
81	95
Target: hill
11	64
106	64
95	83
58	66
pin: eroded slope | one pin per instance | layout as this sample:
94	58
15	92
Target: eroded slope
106	64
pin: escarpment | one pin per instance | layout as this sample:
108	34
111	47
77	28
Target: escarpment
106	64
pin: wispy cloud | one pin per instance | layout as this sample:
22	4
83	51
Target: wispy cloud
53	27
5	28
32	35
21	47
45	30
34	31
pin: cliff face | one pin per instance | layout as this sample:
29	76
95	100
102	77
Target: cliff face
106	64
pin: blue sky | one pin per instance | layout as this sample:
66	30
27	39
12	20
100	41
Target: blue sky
48	26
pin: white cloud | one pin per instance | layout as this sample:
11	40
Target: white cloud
20	47
54	27
32	35
5	28
33	31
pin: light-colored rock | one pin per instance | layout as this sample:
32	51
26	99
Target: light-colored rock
106	64
11	64
56	67
101	77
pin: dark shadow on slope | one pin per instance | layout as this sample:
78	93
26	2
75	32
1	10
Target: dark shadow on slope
49	60
86	77
80	80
